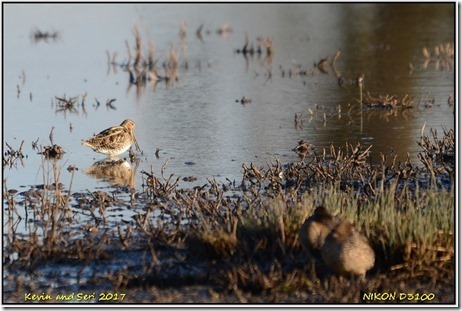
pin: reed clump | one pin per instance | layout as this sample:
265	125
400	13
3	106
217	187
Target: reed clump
438	155
11	156
442	55
145	68
388	102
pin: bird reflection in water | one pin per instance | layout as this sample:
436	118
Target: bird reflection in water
117	171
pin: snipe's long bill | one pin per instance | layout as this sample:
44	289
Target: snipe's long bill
114	140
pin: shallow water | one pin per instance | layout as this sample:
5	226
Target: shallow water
196	122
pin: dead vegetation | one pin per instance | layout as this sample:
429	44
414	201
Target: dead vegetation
442	56
38	35
263	45
72	105
144	67
53	152
242	239
11	156
388	102
438	155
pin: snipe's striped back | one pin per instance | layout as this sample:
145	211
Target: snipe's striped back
114	140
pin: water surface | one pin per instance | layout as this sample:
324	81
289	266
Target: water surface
196	122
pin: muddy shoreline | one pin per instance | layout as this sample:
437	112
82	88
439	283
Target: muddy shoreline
237	243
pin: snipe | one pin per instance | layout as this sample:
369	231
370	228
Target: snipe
114	140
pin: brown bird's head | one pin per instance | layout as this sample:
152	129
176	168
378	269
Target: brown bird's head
343	230
130	125
321	211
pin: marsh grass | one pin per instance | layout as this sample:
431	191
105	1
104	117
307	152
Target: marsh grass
242	240
412	238
48	206
410	228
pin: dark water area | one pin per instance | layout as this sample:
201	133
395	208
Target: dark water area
196	126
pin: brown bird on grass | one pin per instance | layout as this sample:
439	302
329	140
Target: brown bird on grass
347	252
315	230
